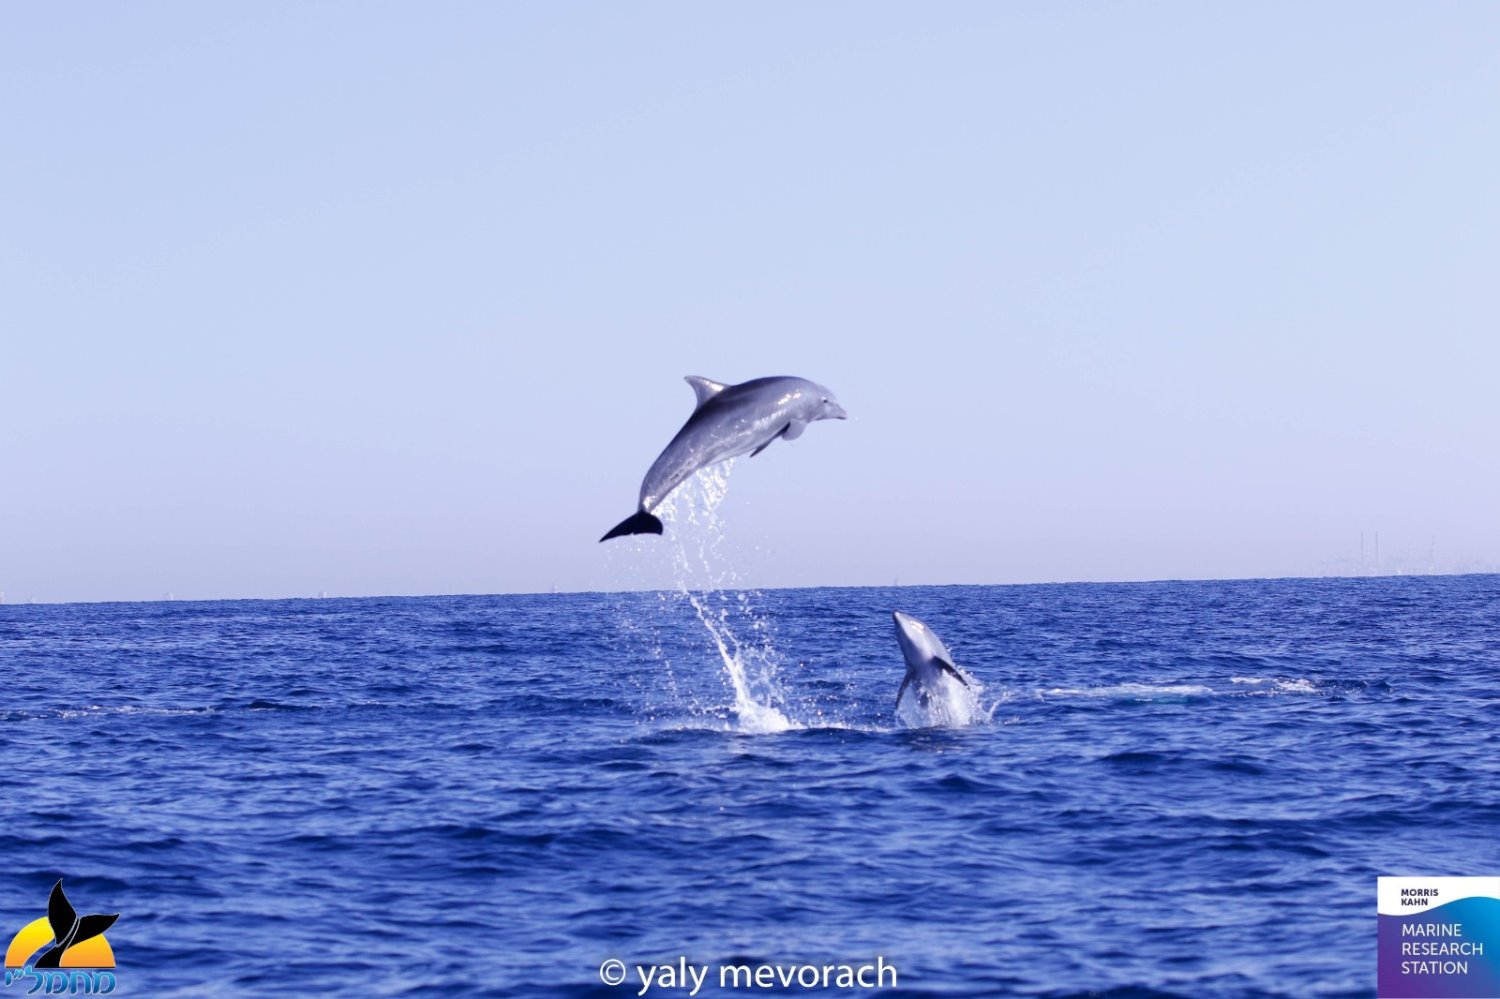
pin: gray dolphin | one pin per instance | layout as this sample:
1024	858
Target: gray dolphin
730	420
927	658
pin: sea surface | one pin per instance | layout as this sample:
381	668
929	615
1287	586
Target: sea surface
1180	788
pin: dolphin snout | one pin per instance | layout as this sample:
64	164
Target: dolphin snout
837	412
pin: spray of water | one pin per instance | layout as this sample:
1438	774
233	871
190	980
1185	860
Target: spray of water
946	704
709	584
704	578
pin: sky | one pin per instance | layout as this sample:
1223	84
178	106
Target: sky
376	298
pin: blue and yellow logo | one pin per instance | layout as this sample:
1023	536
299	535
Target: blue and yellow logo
62	941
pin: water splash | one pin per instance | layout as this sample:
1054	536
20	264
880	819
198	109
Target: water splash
947	704
710	585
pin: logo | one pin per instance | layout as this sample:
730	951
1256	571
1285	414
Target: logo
62	952
1438	936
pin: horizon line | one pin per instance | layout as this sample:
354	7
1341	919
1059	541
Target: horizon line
749	589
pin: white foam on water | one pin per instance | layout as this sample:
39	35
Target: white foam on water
1135	690
1269	685
949	704
97	711
1239	686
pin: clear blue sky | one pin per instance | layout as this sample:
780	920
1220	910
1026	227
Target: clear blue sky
397	298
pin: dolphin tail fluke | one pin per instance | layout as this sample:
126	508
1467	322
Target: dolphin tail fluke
637	523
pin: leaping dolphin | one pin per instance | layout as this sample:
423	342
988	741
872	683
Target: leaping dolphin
730	420
928	663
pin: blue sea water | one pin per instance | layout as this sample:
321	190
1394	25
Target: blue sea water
1183	788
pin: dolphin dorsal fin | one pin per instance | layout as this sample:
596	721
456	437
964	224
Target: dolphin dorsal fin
704	388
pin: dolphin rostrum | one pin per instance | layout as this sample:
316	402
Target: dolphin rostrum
730	420
927	661
68	927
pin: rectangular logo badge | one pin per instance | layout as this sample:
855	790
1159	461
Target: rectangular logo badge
1439	938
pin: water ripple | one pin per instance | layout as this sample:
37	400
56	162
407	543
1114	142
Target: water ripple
1187	789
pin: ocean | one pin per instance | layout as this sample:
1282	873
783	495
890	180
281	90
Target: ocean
1178	789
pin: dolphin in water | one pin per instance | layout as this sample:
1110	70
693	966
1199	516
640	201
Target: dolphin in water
944	694
68	927
730	420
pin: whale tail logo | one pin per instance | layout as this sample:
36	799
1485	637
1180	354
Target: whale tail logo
68	927
636	523
76	941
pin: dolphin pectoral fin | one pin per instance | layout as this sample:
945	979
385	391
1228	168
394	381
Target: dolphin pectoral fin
791	432
952	670
639	522
768	441
704	388
904	683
